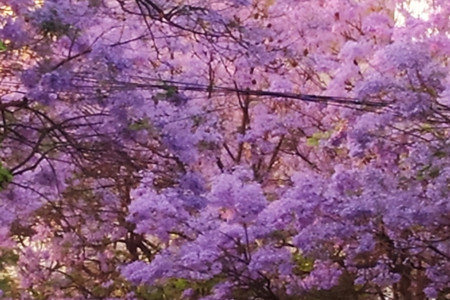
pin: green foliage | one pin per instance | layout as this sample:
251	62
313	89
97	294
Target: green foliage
173	288
3	46
303	264
140	125
8	257
428	172
198	120
7	283
440	154
207	145
54	26
170	91
5	177
314	140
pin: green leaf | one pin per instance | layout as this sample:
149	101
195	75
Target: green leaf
5	176
434	172
139	125
312	142
302	264
427	127
440	154
8	257
3	47
6	284
171	91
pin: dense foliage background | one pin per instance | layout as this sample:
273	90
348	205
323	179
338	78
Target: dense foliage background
232	149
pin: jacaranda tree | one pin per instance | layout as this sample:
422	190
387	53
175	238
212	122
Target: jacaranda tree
233	149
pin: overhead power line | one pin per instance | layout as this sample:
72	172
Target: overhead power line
164	85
